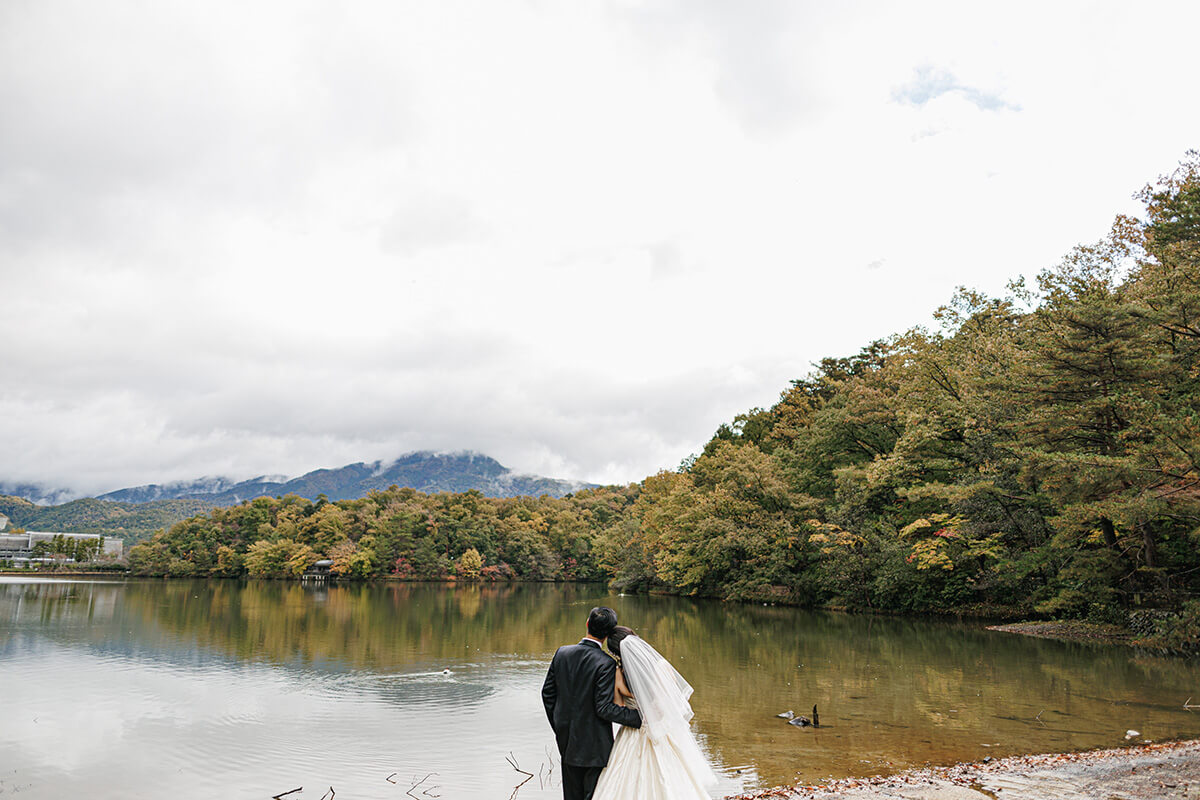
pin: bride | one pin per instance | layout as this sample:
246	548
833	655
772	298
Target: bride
660	760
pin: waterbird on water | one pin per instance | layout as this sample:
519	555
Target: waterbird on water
801	722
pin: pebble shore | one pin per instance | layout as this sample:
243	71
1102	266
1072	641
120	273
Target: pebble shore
1160	771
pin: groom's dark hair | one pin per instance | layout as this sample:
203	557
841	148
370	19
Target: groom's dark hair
602	621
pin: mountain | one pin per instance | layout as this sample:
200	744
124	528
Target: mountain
199	488
37	493
424	471
137	512
130	521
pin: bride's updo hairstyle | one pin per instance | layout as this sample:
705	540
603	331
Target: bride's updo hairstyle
616	637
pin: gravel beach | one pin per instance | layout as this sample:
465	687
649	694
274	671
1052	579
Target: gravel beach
1145	772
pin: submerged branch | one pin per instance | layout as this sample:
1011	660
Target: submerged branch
409	790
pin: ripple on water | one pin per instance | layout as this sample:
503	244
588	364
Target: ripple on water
462	689
232	689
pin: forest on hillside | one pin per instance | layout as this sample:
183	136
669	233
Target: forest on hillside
127	521
1037	451
399	532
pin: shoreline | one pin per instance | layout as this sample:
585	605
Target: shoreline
1070	631
1096	633
1153	771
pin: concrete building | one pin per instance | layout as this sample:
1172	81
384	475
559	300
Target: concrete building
19	546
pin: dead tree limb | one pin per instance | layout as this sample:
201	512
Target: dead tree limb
299	788
409	790
549	765
512	760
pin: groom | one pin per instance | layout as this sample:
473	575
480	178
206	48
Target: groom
578	694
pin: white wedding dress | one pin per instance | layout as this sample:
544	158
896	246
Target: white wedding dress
660	760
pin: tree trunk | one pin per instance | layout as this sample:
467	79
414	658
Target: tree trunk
1110	533
1151	546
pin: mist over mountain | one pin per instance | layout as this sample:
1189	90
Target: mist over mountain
138	511
37	493
424	471
200	488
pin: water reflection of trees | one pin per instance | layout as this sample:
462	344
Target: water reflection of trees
58	601
359	626
387	627
902	690
889	689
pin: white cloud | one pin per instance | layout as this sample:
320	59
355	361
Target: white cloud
577	237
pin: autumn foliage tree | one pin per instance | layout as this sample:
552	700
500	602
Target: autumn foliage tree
1036	451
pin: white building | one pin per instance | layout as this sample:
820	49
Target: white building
19	546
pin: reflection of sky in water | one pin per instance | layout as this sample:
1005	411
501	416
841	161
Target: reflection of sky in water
152	729
109	707
464	689
223	689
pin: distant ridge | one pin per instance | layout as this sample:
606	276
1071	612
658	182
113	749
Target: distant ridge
37	493
138	511
130	521
424	471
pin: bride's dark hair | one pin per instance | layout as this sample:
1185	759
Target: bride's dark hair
616	637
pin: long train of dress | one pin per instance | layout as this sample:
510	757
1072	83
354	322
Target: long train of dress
669	766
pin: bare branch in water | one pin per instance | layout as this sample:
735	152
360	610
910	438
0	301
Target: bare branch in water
409	791
549	769
512	762
329	794
389	778
285	794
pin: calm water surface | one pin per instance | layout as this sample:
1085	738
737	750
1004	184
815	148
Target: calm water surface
224	689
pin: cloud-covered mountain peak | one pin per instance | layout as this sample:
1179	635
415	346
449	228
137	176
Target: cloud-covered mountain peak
423	470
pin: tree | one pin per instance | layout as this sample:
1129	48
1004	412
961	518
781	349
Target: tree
469	565
229	562
283	558
1089	381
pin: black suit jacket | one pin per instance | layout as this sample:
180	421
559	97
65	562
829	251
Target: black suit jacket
578	695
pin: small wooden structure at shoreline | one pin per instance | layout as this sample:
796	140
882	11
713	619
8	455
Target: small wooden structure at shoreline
319	571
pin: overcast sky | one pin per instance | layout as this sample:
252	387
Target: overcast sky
263	237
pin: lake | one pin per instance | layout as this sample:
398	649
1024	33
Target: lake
214	689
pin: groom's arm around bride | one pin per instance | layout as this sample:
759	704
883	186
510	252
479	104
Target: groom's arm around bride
578	696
